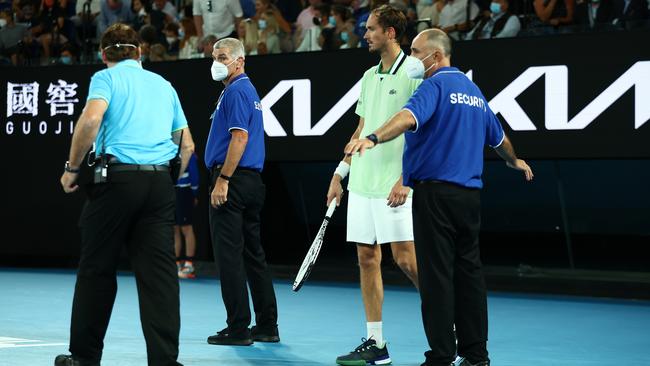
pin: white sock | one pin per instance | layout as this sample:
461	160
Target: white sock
374	331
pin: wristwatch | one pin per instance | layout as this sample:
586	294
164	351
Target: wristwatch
224	177
372	137
68	169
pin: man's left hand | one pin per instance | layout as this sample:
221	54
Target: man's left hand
398	194
219	195
68	182
360	146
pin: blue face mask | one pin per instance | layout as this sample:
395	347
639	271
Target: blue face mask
495	8
261	24
99	55
345	37
426	2
66	60
332	21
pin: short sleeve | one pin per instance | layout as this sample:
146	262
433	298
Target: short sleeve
196	7
180	121
494	134
235	8
423	102
100	87
361	108
237	110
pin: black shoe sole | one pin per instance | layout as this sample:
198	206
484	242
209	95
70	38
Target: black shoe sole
231	342
267	339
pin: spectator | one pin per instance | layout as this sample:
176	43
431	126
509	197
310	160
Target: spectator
67	56
11	36
149	37
498	23
172	39
554	12
630	13
158	52
311	39
54	29
341	19
592	14
305	20
263	6
140	16
189	40
456	17
206	45
328	40
166	7
247	33
428	9
113	11
269	41
218	17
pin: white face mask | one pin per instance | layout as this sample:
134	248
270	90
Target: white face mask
415	67
219	71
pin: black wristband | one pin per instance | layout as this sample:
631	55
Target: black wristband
224	177
372	137
68	169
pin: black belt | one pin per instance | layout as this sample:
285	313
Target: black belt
429	182
137	168
219	166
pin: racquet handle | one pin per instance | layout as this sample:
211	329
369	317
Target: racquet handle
331	208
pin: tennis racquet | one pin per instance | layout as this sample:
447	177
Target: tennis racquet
312	254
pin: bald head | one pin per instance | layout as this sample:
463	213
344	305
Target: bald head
436	39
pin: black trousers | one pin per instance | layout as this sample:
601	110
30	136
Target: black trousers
237	245
136	210
446	223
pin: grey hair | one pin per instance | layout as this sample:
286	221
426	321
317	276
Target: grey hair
234	45
438	39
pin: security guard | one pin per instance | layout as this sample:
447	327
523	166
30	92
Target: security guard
235	155
450	122
136	121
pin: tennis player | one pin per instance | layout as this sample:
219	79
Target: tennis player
379	208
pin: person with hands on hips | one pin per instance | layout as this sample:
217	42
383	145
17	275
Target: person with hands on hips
235	156
447	122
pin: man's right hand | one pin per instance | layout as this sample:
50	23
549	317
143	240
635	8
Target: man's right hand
522	167
335	190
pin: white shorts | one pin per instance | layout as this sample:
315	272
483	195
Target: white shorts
371	220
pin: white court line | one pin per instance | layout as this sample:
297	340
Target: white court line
31	345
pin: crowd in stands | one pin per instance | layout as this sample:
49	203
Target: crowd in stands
38	32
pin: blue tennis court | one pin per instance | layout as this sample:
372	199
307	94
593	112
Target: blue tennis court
320	322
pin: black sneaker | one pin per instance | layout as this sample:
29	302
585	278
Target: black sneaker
465	362
265	334
368	353
68	360
227	338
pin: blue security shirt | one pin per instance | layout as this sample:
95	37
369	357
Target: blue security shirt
238	108
143	111
454	123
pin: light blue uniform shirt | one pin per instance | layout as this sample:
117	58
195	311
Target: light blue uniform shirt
454	123
143	111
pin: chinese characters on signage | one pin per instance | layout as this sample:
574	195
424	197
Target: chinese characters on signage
23	103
